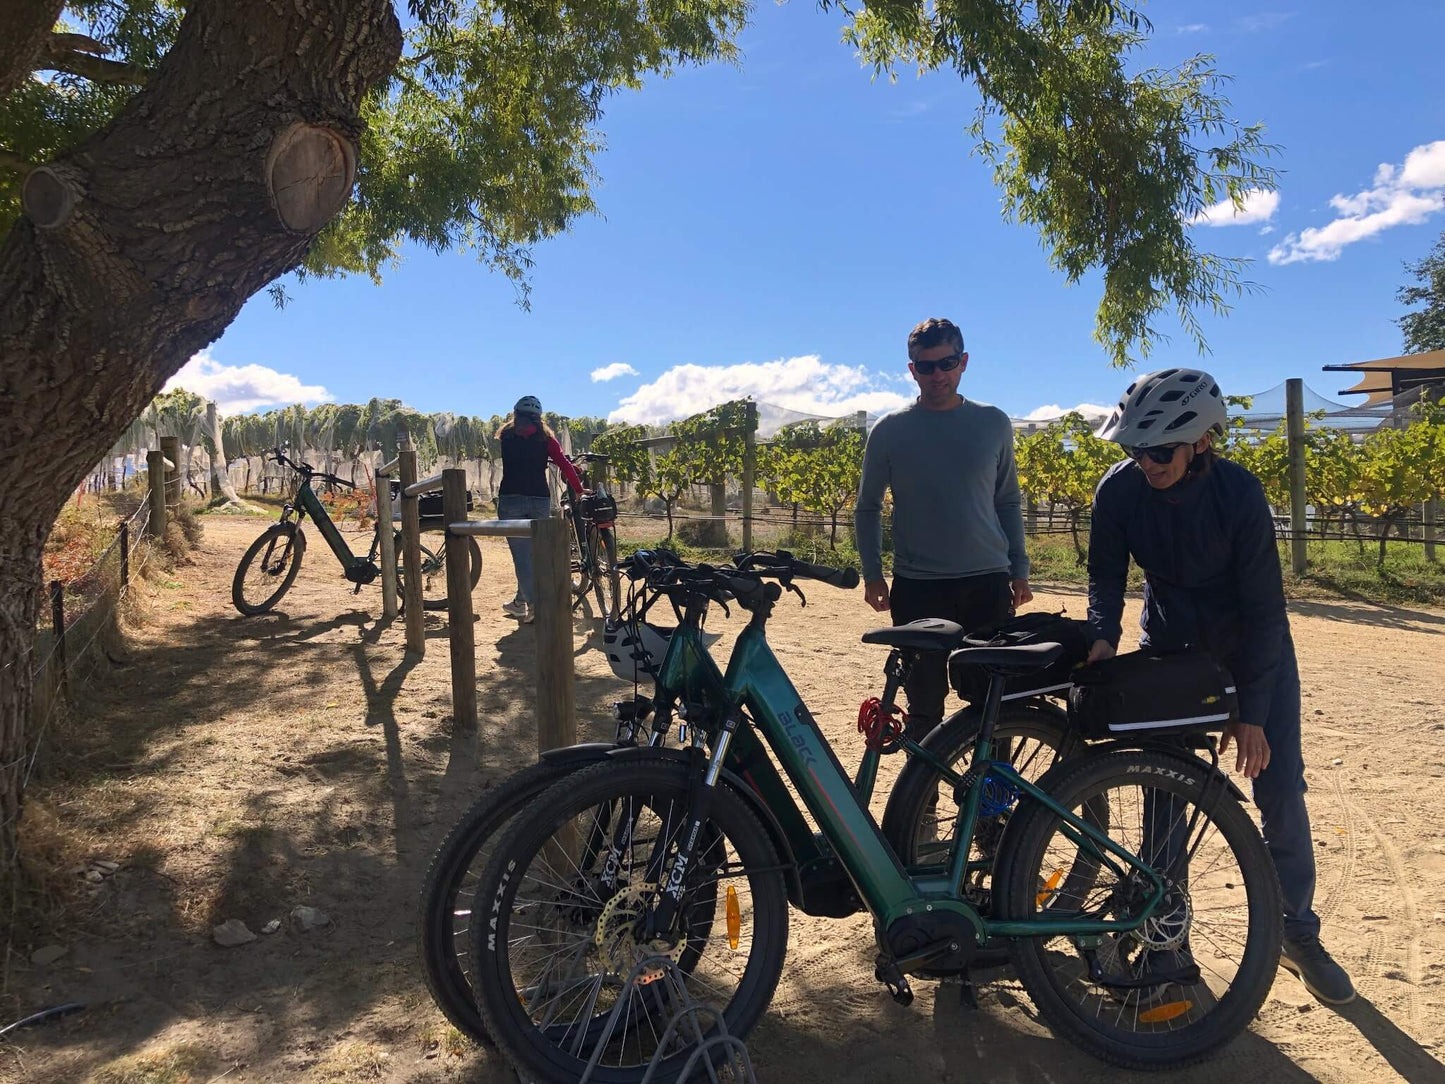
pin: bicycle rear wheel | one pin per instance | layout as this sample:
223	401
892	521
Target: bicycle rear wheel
444	909
605	577
1194	973
921	819
434	570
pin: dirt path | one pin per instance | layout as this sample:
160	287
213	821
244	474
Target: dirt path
254	765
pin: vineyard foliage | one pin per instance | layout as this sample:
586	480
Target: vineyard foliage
1377	482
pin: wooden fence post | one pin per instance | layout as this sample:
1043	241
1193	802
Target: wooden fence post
459	603
411	554
1295	427
552	592
156	479
750	467
171	448
1429	514
124	554
386	543
57	617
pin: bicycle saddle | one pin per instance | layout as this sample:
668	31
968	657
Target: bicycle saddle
925	634
1019	657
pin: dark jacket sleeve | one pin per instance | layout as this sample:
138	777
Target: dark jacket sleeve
1108	561
1263	623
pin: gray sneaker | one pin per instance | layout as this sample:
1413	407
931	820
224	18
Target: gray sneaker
1317	969
516	608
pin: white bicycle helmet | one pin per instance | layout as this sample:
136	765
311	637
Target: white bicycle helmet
635	651
1172	406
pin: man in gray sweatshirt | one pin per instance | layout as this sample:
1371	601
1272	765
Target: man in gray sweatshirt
958	529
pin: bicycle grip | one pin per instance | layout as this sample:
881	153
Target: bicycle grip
846	578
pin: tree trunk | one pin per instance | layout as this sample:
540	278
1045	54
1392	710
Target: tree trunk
1384	537
221	488
137	249
29	23
1079	555
833	534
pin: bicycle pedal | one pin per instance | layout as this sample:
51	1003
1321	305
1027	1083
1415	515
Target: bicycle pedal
896	982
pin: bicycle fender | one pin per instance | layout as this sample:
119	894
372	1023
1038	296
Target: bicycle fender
746	793
1173	749
581	753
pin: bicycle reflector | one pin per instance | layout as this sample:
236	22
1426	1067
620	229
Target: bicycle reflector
1163	1013
735	918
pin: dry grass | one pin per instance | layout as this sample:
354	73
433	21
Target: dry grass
185	1063
348	1062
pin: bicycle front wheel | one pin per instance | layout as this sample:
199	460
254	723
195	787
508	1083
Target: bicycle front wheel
605	577
564	975
268	569
1194	972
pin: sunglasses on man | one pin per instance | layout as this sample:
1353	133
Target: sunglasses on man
1162	454
947	365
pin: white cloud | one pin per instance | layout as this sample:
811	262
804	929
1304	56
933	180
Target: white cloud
1265	20
1403	195
1265	231
613	371
1192	28
1052	410
238	389
1259	206
806	384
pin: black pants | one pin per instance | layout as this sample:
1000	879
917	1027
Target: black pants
972	601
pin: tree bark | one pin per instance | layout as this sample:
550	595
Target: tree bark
221	488
27	32
137	249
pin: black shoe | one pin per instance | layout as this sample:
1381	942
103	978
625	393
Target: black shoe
1317	969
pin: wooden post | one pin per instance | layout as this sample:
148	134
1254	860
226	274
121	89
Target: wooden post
386	543
717	532
124	553
171	448
156	478
552	592
459	604
411	554
1295	427
750	468
1430	513
57	616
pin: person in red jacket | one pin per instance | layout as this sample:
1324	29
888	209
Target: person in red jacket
527	447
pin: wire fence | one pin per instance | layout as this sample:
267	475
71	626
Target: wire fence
79	629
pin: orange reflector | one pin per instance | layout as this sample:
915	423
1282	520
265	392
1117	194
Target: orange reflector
735	918
1161	1013
1049	886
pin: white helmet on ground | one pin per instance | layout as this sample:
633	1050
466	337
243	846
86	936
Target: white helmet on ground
1172	406
635	650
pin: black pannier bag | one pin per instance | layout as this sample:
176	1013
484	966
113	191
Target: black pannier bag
971	682
599	508
1144	693
428	505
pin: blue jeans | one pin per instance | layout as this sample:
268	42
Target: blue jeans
1279	792
515	506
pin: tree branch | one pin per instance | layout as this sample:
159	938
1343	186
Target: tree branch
11	160
75	55
30	22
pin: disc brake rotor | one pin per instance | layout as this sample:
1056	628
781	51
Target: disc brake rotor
616	937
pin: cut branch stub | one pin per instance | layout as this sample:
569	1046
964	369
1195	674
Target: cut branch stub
46	198
309	171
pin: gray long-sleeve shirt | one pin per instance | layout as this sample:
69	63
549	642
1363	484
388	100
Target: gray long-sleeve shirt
955	494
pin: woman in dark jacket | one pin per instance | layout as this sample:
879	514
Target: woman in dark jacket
1201	530
527	447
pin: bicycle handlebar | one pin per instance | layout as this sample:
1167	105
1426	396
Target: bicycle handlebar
308	470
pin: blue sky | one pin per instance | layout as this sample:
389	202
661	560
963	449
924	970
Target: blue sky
781	225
